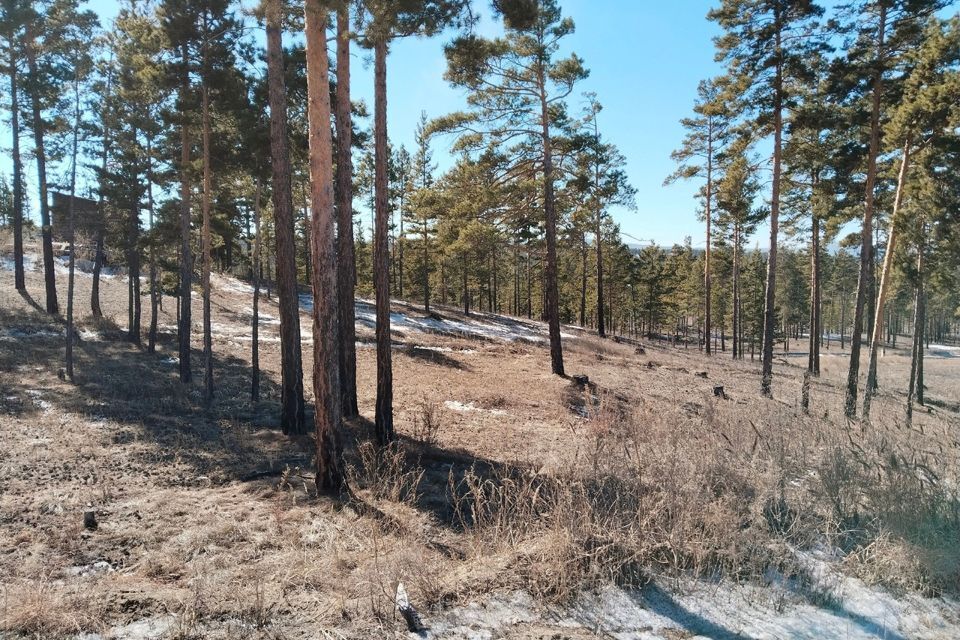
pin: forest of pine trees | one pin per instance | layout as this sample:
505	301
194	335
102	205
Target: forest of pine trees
827	161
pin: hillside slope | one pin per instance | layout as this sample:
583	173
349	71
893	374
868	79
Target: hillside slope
517	504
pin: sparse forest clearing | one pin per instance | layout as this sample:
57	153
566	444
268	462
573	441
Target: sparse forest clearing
362	319
208	523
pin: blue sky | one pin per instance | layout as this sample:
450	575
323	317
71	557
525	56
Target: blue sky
645	60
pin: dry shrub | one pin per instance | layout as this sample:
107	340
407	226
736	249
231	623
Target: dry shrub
893	513
385	472
715	493
428	422
45	610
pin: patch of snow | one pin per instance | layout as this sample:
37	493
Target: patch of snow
848	610
90	336
151	628
31	262
12	334
943	351
421	347
460	407
90	570
37	397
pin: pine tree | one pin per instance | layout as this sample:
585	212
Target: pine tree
326	337
346	246
737	188
292	417
14	15
422	212
518	88
605	183
927	110
80	68
882	30
388	20
766	44
707	135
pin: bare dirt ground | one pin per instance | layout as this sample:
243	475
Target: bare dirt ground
514	502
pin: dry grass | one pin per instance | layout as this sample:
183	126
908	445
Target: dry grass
541	484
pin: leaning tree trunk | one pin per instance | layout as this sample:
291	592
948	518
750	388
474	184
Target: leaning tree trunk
552	292
292	419
346	252
49	276
864	281
381	251
184	328
877	334
326	337
19	276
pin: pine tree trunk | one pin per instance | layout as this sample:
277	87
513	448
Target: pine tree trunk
49	276
206	243
529	293
552	292
133	260
466	286
346	252
598	231
154	294
255	324
707	298
864	281
292	418
426	267
19	277
71	228
326	336
917	346
892	236
184	328
769	298
813	357
583	279
737	320
381	251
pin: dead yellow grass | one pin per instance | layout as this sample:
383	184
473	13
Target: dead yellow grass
525	480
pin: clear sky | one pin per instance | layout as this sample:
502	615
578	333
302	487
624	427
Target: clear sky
645	60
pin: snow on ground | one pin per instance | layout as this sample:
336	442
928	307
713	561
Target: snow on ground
944	350
850	610
30	262
468	407
486	326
